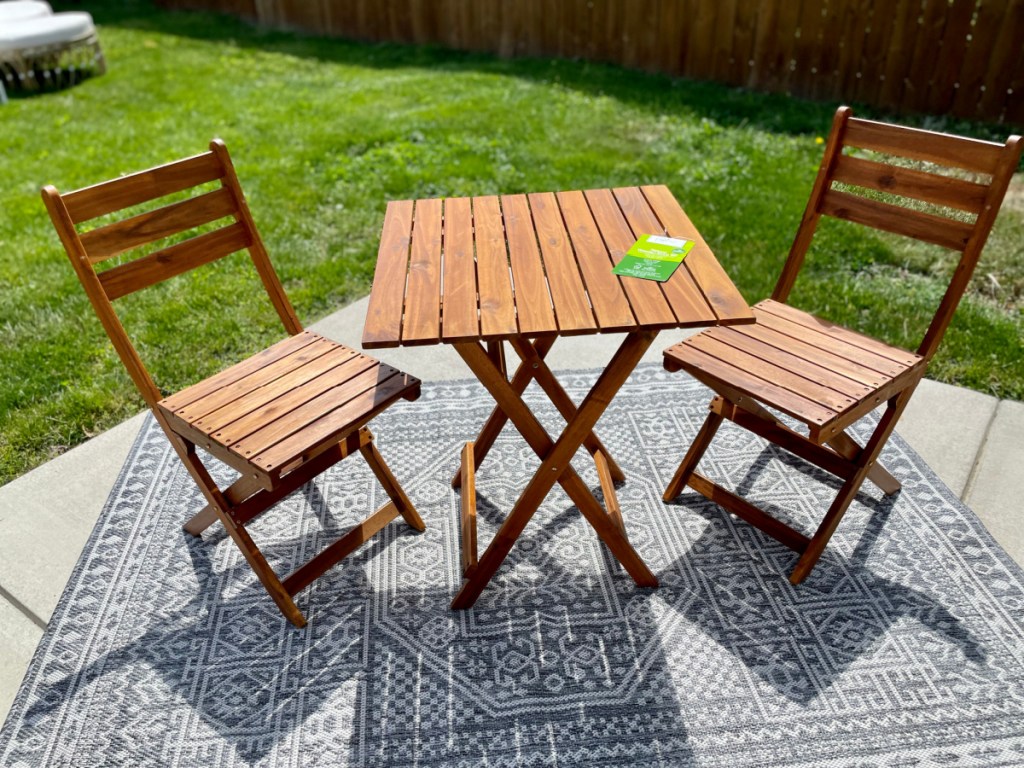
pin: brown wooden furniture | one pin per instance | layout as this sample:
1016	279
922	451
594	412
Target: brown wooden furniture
476	272
822	374
279	418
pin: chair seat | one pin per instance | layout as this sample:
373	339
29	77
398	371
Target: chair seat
820	373
286	404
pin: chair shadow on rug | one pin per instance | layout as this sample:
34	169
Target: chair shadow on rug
241	671
802	641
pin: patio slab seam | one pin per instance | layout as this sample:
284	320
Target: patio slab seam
972	477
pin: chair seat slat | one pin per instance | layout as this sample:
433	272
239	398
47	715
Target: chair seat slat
261	403
708	368
852	343
304	411
175	260
745	358
228	376
824	358
350	414
109	196
789	360
105	242
257	414
302	363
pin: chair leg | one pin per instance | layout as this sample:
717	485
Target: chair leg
221	507
390	483
828	526
867	463
693	456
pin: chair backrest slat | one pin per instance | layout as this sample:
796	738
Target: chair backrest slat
188	218
136	188
917	144
114	239
949	233
874	189
931	188
173	261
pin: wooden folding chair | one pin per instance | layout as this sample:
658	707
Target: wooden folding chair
822	374
279	418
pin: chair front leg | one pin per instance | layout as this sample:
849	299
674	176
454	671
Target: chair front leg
693	456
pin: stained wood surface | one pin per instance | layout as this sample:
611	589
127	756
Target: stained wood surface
497	267
821	373
285	403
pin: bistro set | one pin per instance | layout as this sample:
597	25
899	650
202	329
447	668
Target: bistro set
512	274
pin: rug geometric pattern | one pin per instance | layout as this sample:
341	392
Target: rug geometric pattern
905	647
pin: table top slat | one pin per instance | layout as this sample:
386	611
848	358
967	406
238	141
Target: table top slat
497	307
384	314
682	293
568	294
422	324
645	296
496	267
611	306
459	319
718	288
536	315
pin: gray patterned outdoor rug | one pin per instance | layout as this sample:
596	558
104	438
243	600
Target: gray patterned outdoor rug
904	648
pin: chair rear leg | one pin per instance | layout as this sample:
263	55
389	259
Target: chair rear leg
693	456
390	483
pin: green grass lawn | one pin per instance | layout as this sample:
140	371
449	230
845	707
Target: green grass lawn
324	132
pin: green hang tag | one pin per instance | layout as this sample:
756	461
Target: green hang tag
653	257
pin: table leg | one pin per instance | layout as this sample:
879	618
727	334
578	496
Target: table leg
493	426
567	408
532	367
555	462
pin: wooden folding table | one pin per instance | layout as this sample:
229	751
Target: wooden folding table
526	269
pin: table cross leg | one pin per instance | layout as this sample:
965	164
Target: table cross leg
555	462
542	374
532	367
496	421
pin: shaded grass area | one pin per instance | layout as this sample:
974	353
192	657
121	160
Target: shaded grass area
324	132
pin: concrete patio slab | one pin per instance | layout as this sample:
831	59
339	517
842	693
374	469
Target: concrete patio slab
47	515
18	640
996	489
949	444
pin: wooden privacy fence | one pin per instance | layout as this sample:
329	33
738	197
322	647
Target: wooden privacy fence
960	57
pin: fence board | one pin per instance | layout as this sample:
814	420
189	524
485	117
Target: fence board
938	56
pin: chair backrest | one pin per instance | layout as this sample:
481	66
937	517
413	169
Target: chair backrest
221	214
960	209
